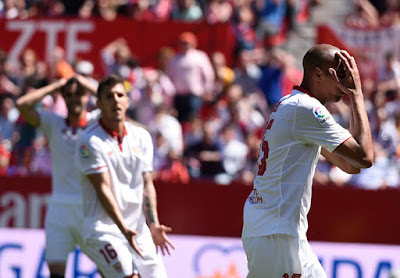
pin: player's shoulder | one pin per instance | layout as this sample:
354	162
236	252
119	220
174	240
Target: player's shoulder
50	116
91	131
136	129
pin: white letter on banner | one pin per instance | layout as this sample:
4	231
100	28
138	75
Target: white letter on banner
73	45
51	28
15	210
37	204
27	29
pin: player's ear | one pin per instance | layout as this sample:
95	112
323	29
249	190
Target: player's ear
318	73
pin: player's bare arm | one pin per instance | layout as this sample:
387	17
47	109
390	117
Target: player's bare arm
340	162
358	150
158	232
101	183
26	103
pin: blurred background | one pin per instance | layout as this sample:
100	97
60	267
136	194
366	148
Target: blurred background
245	55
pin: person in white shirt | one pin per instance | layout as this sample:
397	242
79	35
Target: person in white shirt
64	215
299	129
115	159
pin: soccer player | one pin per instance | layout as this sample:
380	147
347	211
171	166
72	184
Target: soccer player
115	158
64	215
299	129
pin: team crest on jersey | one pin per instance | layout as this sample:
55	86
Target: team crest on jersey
322	115
118	267
83	151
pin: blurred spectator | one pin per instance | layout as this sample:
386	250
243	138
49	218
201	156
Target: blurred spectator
192	74
272	16
115	56
8	116
234	152
389	74
162	10
58	65
140	10
244	19
86	10
106	9
32	73
279	75
218	11
186	10
204	158
12	8
4	159
381	175
224	75
247	72
6	84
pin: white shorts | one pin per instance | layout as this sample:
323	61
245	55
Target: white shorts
63	226
115	258
277	256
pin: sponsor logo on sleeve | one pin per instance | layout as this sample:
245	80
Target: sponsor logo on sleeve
322	115
83	151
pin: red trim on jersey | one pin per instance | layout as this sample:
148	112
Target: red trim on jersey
98	168
114	134
82	122
342	143
301	89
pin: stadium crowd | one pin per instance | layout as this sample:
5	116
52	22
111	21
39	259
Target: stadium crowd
206	117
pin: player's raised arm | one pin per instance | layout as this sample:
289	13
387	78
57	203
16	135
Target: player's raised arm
26	103
358	150
158	232
86	83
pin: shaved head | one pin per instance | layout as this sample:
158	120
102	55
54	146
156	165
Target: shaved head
321	56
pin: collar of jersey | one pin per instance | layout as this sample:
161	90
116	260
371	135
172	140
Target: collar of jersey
112	132
301	89
81	123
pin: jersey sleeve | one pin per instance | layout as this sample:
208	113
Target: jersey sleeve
147	151
47	121
89	156
314	124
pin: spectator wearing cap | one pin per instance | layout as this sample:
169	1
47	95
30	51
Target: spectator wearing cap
186	10
191	72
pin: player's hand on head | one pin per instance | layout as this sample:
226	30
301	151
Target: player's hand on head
160	238
130	236
346	74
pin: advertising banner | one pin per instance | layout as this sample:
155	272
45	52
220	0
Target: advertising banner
84	39
22	256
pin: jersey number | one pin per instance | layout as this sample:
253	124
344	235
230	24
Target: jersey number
263	165
108	252
265	149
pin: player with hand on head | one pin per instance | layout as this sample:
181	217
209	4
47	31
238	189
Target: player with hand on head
299	129
115	158
64	213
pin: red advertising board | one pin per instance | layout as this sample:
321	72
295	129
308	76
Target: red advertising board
341	214
84	39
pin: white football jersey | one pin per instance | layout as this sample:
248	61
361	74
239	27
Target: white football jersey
125	159
281	197
62	140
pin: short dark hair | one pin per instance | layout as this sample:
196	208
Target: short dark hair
71	82
108	82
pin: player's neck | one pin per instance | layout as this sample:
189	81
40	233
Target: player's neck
117	127
77	119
